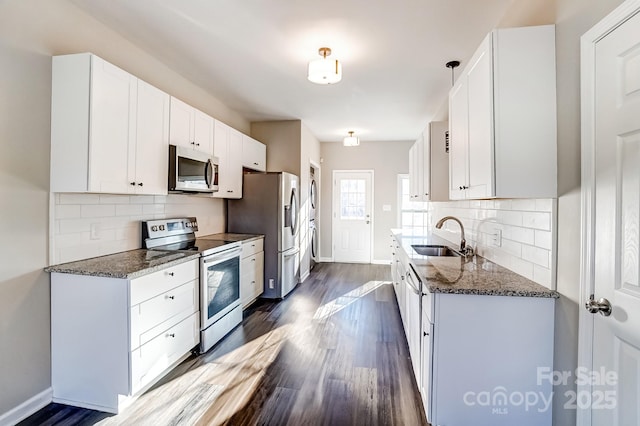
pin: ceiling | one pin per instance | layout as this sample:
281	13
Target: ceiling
252	55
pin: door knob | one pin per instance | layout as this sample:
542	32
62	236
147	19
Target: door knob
601	306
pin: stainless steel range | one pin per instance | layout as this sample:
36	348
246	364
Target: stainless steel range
220	309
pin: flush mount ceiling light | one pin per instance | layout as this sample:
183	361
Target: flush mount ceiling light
324	70
351	140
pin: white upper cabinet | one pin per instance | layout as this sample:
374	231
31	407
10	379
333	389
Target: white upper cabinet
152	140
109	129
190	127
228	148
254	154
428	165
502	118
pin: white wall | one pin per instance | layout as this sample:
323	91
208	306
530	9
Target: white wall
387	160
31	31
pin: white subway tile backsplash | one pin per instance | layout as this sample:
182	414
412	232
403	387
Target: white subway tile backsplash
78	199
141	199
152	209
527	227
522	267
128	210
523	205
115	221
65	211
521	235
543	276
97	210
512	247
544	239
510	217
537	220
114	199
544	204
536	255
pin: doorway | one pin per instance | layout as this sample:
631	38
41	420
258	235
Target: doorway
352	219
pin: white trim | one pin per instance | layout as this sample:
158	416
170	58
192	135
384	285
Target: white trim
334	211
27	408
326	259
587	90
381	262
304	276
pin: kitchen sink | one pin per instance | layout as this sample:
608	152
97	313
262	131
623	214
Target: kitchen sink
435	250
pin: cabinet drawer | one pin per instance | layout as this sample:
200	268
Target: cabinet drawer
252	247
169	307
153	358
159	282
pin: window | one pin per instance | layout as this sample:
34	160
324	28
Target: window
412	214
352	199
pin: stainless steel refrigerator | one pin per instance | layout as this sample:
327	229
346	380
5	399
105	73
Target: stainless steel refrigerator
269	206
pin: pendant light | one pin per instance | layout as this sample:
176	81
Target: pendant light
351	140
324	70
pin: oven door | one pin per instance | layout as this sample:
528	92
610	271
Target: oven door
220	285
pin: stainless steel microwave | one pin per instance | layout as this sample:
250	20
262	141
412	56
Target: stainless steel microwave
192	171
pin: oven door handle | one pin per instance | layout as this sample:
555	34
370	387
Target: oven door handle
221	257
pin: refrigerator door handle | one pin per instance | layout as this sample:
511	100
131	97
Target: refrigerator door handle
291	252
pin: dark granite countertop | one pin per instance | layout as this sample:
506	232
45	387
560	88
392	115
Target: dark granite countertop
127	265
232	237
475	275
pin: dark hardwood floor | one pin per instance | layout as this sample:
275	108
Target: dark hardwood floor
332	353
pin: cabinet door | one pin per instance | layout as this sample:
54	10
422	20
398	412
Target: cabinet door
113	103
202	131
152	140
254	154
427	366
425	161
258	285
234	164
480	130
458	140
228	148
180	119
412	172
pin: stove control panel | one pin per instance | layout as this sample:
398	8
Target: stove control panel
159	228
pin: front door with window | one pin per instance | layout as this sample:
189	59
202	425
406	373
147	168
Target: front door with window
352	220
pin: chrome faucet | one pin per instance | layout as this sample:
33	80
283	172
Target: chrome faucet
466	251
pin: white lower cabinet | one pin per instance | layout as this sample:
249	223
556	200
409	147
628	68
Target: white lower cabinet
476	356
252	271
481	359
112	338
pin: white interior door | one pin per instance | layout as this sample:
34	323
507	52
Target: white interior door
352	218
616	236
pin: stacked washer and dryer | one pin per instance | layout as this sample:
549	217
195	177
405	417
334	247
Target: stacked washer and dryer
313	205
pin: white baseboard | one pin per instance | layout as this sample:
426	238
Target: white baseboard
304	276
381	262
27	408
326	259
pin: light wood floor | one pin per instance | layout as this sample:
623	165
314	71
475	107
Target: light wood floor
332	353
